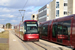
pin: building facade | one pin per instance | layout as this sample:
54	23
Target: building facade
58	8
43	14
71	7
61	8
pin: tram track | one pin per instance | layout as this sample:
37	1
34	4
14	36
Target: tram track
28	45
40	44
55	48
45	46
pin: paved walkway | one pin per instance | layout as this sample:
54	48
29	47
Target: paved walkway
14	44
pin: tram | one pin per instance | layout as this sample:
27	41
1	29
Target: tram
28	30
61	30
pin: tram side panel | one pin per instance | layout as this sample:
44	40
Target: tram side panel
62	31
73	34
28	30
21	31
44	31
17	30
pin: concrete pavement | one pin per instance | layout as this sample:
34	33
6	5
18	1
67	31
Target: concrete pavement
14	44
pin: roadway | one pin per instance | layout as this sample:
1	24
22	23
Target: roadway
17	44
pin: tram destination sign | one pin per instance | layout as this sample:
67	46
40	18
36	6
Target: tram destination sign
31	22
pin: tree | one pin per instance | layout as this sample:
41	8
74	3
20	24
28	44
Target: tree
8	25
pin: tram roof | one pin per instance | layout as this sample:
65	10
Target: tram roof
66	17
30	20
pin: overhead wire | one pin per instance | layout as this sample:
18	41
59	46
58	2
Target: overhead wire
24	4
23	8
34	11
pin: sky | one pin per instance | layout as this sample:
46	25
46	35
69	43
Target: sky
9	10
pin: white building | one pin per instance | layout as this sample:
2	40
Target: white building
56	9
43	13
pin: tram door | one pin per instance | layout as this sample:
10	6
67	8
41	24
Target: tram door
57	32
54	32
43	30
60	33
44	33
63	31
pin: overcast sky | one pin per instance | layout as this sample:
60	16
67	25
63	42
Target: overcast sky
9	9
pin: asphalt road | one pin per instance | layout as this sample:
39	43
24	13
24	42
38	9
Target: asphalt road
17	44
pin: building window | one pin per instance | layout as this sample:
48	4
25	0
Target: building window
65	4
42	17
65	0
65	13
57	4
57	13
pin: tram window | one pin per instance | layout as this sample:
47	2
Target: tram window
64	28
32	28
45	30
24	25
65	31
54	31
59	29
67	28
40	30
